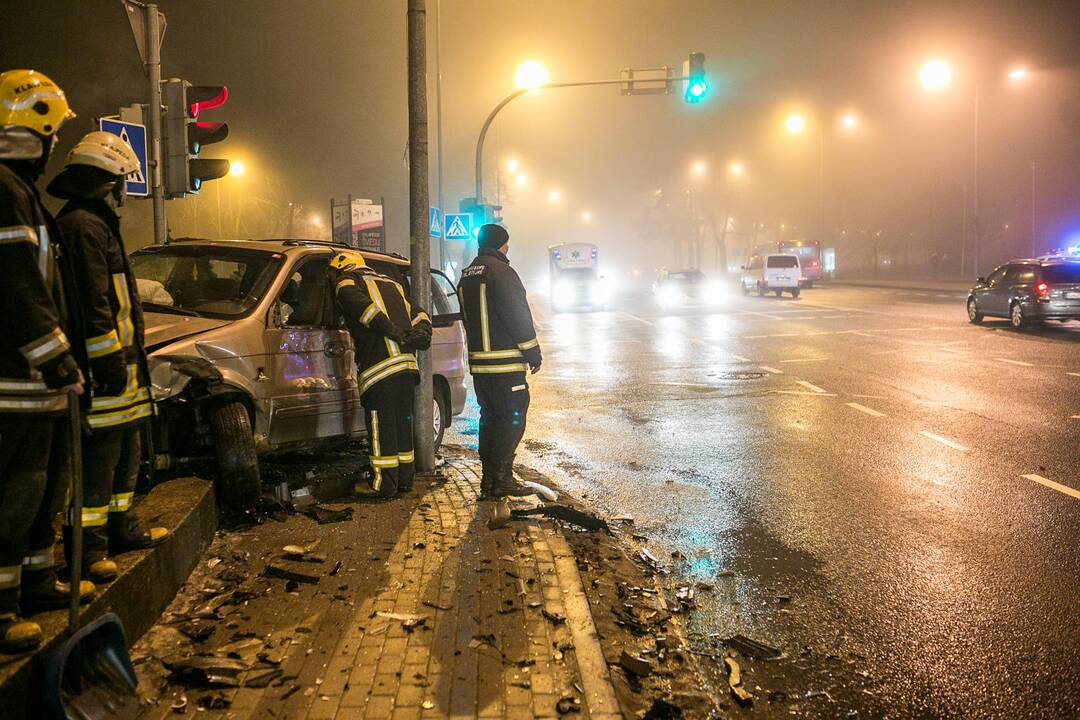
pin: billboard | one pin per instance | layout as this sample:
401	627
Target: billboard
359	223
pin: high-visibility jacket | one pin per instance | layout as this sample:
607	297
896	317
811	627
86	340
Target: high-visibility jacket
112	314
39	350
378	316
498	322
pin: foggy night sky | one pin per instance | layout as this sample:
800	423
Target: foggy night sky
318	99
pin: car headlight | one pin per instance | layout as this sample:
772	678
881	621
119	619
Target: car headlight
171	374
668	297
715	292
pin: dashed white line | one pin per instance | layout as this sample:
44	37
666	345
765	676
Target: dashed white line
1014	362
943	440
772	370
802	360
870	397
811	386
740	358
635	317
1053	485
1073	374
864	409
805	392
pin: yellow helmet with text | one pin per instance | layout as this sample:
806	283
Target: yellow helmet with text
346	260
104	151
31	100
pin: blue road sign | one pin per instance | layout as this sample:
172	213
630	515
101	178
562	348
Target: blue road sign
435	222
458	226
135	135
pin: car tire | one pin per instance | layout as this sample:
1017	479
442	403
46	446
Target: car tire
1016	316
795	292
974	316
779	292
760	290
239	485
440	414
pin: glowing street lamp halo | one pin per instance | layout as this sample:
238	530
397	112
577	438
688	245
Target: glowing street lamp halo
849	121
554	195
737	168
512	165
795	123
935	74
1018	73
237	167
699	167
530	75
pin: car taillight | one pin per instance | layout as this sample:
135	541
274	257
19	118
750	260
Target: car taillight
814	263
1042	291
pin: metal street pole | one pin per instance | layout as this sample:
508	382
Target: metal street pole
821	184
975	188
438	127
420	244
153	70
1034	227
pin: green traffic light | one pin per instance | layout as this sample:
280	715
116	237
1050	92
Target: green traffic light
696	91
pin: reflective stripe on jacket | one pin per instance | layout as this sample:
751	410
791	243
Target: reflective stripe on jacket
498	322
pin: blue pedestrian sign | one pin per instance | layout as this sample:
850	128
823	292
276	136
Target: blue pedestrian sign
435	222
135	135
458	226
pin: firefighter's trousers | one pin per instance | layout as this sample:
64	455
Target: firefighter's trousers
388	414
504	405
34	478
110	470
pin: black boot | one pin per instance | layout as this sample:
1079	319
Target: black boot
126	532
487	481
505	483
43	590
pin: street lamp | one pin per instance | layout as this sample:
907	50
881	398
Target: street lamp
522	180
530	75
586	216
1018	73
935	75
737	169
512	165
795	123
699	168
236	167
849	121
554	196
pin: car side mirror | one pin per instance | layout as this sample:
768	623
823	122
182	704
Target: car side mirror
981	280
445	320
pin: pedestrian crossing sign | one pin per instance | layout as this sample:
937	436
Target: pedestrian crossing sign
435	222
458	226
135	136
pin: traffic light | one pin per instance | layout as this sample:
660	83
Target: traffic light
186	135
694	86
482	213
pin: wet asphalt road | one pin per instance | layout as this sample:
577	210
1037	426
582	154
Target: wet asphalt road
866	453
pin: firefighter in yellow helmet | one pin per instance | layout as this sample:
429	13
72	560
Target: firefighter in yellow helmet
386	329
40	356
92	182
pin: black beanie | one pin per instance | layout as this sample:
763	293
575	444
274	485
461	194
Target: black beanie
492	236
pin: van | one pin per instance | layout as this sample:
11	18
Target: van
777	272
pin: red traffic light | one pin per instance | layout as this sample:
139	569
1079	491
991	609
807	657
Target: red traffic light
206	97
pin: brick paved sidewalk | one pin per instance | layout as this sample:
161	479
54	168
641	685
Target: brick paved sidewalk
506	630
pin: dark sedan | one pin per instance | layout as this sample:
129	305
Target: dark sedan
1028	291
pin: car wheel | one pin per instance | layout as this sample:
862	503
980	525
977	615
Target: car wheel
1016	316
779	292
239	485
795	292
974	316
760	290
440	413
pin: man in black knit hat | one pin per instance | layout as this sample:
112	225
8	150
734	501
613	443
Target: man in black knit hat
502	350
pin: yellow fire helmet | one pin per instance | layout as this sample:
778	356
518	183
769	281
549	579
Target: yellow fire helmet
105	151
31	100
346	260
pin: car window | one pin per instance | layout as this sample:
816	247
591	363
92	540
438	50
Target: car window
782	261
444	299
1064	273
305	299
996	276
1019	273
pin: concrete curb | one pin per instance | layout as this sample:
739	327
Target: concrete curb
148	581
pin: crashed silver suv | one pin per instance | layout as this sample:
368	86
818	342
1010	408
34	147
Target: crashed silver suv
248	354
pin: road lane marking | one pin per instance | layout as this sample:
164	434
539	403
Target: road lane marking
741	358
954	351
802	360
1053	485
772	370
811	386
804	392
871	397
1073	374
1076	417
635	317
943	440
1014	362
864	409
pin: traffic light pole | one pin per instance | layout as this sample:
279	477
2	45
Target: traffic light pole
518	93
153	70
420	244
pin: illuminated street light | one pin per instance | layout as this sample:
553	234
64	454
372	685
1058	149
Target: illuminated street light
316	220
935	75
554	196
737	169
586	216
236	167
1018	73
512	165
795	123
522	180
531	75
699	168
849	121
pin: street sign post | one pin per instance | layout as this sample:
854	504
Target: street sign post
435	222
458	226
134	135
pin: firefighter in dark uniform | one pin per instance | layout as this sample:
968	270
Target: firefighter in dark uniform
386	329
40	353
93	184
502	349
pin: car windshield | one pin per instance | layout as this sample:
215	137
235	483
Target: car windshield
203	280
782	261
803	251
687	277
1064	273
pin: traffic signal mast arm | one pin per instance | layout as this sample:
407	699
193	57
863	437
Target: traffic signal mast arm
696	62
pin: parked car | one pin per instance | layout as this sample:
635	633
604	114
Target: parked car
683	288
248	355
778	272
1028	291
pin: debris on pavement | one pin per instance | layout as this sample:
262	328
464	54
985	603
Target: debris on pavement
566	514
752	648
500	517
324	515
635	664
408	621
556	618
280	570
567	705
542	490
205	671
663	710
735	682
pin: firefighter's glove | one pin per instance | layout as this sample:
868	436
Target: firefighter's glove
109	374
387	327
534	368
61	372
417	338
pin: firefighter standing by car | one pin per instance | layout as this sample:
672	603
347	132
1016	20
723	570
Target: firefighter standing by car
386	329
40	353
502	348
92	182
